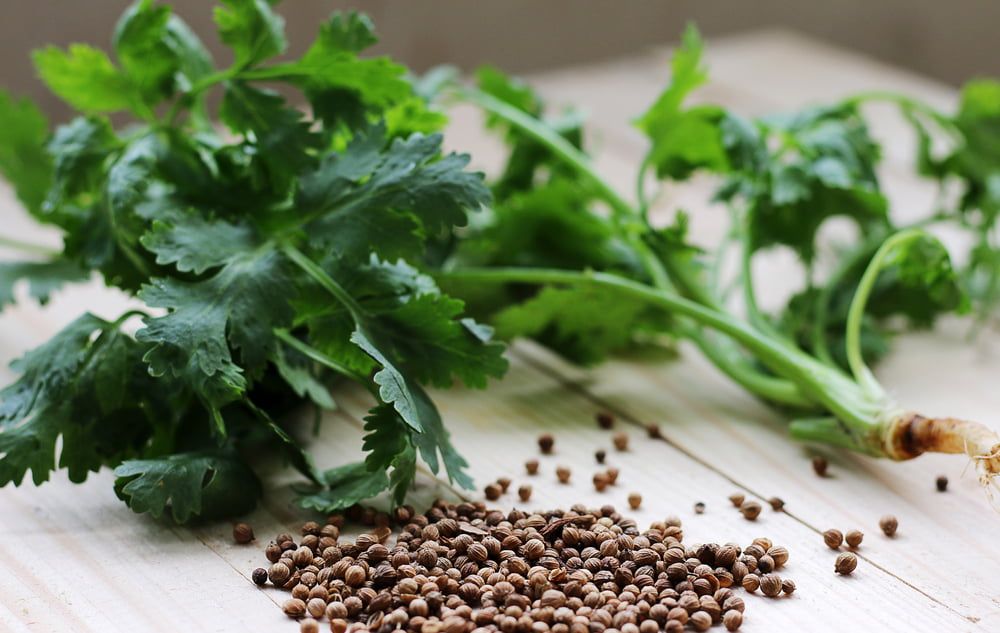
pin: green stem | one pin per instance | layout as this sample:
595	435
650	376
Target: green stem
907	103
326	281
830	431
754	313
819	383
314	354
27	247
856	313
562	148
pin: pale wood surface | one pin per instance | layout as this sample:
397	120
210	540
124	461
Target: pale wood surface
75	559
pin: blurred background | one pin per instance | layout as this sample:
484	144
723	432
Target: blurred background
950	41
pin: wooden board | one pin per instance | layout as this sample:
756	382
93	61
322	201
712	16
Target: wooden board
75	559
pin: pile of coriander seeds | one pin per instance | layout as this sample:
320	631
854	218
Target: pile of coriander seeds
463	568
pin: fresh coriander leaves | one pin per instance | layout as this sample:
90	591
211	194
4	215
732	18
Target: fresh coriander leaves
275	259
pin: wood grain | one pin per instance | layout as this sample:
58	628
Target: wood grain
75	559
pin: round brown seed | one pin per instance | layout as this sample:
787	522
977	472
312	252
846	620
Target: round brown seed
563	474
524	492
779	555
833	538
605	419
309	625
889	525
751	583
750	510
737	499
700	621
279	573
732	620
242	533
770	585
545	443
316	607
776	504
653	431
788	586
941	483
612	474
600	455
820	466
699	508
845	563
620	440
294	608
600	482
854	538
492	492
259	576
531	466
634	500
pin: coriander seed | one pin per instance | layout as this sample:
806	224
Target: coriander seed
889	524
492	492
259	576
770	585
751	583
845	564
776	504
278	574
612	474
524	493
504	483
700	621
316	607
750	510
634	500
563	474
854	538
600	455
736	499
242	533
600	482
545	443
653	431
779	555
605	419
833	538
699	508
309	625
732	620
531	466
788	586
294	608
819	466
942	483
620	440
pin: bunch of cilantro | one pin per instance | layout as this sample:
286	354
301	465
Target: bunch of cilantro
564	258
274	252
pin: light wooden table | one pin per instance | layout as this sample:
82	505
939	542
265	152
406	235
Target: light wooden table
73	558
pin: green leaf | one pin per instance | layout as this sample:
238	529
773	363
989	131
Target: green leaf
23	159
583	324
366	200
85	78
296	371
43	278
386	437
684	140
240	305
197	484
345	486
79	150
251	29
195	243
145	57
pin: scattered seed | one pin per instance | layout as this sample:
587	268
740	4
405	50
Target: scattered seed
545	443
788	586
504	483
750	510
605	419
770	585
845	564
612	474
854	538
776	504
600	482
242	533
819	466
699	508
779	555
493	492
563	474
634	500
833	538
531	466
653	431
259	576
600	455
620	440
942	483
700	621
736	499
751	583
278	574
316	607
524	493
889	524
